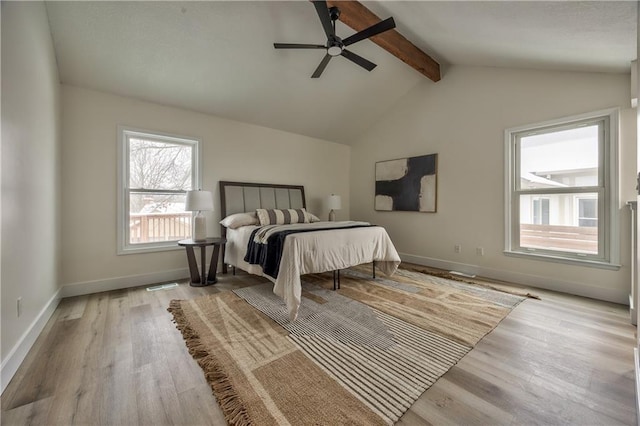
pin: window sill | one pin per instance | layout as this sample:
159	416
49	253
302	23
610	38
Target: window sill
564	260
150	248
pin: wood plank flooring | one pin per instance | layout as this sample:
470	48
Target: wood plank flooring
116	358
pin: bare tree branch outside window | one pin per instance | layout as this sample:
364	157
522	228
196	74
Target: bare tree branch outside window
158	166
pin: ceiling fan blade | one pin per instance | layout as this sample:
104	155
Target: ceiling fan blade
378	28
322	66
298	46
323	13
368	65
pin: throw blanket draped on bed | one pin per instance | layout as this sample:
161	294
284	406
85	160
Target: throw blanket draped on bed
266	243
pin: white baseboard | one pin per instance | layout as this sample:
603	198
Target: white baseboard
117	283
549	283
19	352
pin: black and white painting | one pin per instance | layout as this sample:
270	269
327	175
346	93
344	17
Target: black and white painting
407	184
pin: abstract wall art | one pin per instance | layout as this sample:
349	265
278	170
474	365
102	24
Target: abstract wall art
407	184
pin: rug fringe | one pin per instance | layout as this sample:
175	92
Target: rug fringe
230	402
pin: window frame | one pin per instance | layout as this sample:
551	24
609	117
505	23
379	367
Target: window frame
608	256
124	247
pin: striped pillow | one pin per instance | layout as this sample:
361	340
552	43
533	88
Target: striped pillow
282	216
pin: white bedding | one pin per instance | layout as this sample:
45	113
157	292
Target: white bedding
236	248
312	252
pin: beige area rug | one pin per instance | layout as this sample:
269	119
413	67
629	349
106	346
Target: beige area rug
360	355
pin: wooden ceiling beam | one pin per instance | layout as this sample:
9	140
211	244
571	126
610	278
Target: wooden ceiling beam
358	17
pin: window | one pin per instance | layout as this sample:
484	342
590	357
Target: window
540	211
561	190
588	212
155	171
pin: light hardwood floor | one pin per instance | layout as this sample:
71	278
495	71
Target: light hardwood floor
116	358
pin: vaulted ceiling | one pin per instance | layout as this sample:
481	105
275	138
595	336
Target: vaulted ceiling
218	57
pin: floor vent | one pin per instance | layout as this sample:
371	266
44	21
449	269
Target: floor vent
162	287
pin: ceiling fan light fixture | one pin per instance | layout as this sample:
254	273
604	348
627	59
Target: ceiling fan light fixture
334	50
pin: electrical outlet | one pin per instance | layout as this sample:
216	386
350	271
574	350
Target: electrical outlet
480	251
457	248
19	306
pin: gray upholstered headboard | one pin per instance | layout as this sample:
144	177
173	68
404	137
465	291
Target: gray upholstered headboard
240	197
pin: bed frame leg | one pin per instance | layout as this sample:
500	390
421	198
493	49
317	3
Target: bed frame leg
374	269
336	279
234	270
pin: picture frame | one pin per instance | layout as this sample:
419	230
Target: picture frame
407	184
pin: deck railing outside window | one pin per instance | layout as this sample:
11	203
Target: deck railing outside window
154	227
580	239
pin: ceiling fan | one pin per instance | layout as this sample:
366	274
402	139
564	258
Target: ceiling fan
335	45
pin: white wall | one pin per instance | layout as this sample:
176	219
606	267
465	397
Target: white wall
30	178
232	151
462	118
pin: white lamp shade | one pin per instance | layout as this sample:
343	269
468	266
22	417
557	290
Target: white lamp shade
198	201
334	202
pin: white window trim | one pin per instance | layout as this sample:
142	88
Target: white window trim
611	210
123	247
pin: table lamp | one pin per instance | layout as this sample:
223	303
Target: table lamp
334	203
199	201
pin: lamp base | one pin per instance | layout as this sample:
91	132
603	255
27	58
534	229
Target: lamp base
332	216
199	227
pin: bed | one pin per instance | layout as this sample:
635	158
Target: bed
308	248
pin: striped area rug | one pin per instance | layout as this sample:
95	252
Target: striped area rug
359	355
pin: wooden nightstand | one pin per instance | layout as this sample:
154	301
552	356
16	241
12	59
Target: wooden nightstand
196	279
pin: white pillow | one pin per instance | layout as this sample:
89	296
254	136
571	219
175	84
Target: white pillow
312	217
237	220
